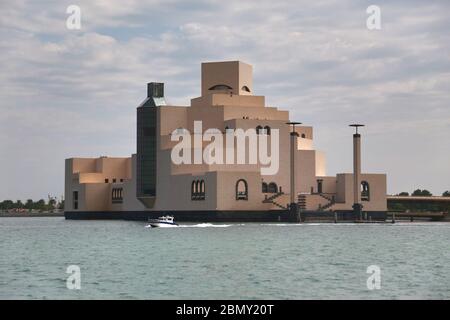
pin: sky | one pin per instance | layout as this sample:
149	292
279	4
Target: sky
73	93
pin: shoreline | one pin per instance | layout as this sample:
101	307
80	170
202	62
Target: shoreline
30	215
399	217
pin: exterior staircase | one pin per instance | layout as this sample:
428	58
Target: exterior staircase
331	202
272	198
301	201
279	205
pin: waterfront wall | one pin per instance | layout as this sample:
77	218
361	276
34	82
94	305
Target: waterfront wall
226	216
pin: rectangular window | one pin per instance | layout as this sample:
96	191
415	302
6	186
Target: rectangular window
121	180
106	180
114	180
75	200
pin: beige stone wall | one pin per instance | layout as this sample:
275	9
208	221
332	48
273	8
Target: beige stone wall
175	193
84	165
320	165
130	202
305	144
305	172
87	176
220	99
171	118
91	177
304	130
114	168
316	202
97	197
267	113
235	74
226	190
328	184
377	183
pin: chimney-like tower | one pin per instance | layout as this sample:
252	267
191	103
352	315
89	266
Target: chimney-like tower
146	149
293	206
155	90
357	206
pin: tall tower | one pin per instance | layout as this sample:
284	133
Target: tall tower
293	206
147	144
357	206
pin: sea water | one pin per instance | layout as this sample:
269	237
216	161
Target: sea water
126	260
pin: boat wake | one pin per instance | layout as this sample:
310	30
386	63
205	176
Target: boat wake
211	225
162	226
200	225
205	225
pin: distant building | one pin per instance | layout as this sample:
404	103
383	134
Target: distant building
150	183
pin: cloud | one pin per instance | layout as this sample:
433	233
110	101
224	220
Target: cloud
66	93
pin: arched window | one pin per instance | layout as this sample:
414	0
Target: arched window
193	190
117	195
221	87
365	191
258	129
245	88
198	190
202	190
273	188
303	135
241	190
264	187
267	130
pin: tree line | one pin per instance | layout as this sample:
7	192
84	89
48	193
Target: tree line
419	206
40	205
423	193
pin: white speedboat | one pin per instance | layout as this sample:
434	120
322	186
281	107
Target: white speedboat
162	222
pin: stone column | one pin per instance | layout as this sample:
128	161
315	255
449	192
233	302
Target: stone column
294	214
357	168
357	207
293	136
